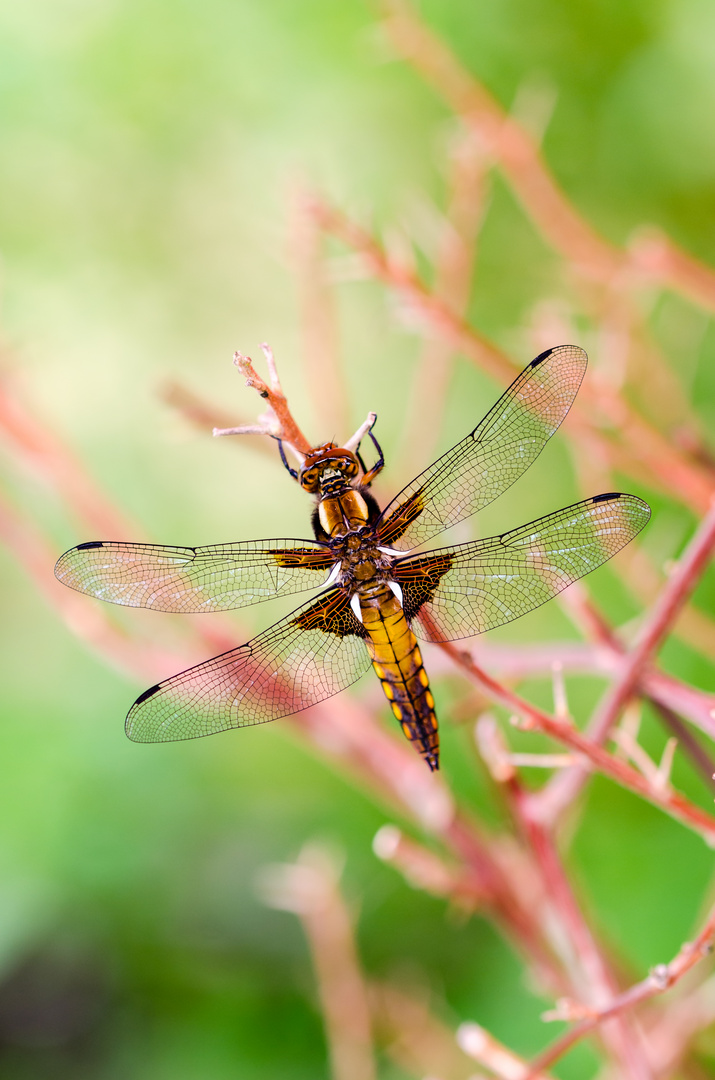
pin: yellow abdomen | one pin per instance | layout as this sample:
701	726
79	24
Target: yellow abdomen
398	664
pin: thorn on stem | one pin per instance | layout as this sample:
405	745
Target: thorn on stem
568	1011
493	748
561	705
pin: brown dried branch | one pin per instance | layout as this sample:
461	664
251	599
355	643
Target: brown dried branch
351	735
661	978
278	420
475	869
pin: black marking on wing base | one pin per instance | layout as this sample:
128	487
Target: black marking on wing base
332	615
419	583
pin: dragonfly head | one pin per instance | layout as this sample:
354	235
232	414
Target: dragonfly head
327	467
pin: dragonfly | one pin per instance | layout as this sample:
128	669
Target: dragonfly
379	592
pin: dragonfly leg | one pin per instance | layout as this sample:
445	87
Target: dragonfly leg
370	474
284	459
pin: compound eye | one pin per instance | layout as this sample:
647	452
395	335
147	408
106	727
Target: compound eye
309	479
351	467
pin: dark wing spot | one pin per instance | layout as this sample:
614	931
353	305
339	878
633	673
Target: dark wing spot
147	694
540	358
90	544
606	496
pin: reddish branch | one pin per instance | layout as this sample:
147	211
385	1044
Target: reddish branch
677	590
623	774
431	308
628	441
574	942
309	888
33	444
501	1061
516	662
511	144
201	414
660	979
321	343
522	164
454	266
414	1037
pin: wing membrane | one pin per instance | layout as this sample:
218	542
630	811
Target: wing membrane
464	590
187	579
312	654
484	464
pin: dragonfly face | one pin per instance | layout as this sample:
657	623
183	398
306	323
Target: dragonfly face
328	468
377	596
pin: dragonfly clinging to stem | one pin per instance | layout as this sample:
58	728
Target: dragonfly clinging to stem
378	595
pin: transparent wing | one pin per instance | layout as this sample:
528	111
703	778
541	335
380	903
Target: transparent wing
464	590
484	464
307	657
187	579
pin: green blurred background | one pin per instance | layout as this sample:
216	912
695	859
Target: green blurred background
149	155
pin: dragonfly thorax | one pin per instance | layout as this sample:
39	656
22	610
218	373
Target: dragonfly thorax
362	562
344	513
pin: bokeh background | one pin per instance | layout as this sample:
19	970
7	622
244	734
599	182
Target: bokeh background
151	158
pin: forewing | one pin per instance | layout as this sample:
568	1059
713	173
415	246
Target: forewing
312	654
484	464
187	579
464	590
